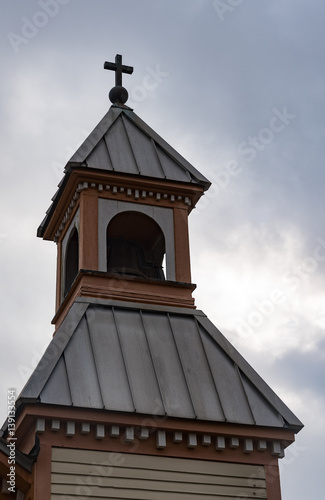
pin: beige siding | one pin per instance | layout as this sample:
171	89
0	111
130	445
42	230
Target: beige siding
83	474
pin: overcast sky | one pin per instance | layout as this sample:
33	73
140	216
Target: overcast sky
237	87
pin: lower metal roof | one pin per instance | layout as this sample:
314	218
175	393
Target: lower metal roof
155	361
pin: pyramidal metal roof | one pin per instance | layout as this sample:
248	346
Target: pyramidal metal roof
154	361
124	143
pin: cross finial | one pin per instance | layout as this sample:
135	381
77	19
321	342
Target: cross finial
118	94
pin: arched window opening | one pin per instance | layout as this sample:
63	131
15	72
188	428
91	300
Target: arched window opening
135	246
71	261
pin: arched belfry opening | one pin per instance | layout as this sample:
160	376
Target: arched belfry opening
71	260
135	246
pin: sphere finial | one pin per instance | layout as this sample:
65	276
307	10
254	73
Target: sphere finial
118	94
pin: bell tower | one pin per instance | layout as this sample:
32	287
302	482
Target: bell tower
120	216
138	394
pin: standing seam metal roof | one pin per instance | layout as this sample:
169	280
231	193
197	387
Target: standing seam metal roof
157	362
124	143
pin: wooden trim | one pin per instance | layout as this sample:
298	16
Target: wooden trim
149	447
136	182
30	412
90	176
89	440
182	246
58	275
148	475
42	472
148	200
272	477
129	289
88	237
66	228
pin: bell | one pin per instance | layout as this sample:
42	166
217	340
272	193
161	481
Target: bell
128	257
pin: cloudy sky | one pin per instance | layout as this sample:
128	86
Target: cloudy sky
237	87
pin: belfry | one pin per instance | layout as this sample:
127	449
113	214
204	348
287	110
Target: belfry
138	395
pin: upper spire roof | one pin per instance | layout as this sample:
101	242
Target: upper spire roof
124	143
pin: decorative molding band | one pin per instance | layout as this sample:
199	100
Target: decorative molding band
132	193
69	211
163	438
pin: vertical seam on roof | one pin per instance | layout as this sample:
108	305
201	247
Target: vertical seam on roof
279	415
158	158
67	375
246	396
153	362
179	165
129	141
95	361
108	153
123	357
210	371
180	360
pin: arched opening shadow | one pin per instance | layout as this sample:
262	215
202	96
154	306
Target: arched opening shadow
135	246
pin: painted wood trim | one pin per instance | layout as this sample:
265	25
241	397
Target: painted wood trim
273	486
58	275
182	246
88	237
42	473
159	443
33	411
104	286
77	176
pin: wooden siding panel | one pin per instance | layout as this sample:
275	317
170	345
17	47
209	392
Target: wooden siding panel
62	472
82	474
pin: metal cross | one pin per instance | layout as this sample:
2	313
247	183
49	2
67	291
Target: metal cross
119	68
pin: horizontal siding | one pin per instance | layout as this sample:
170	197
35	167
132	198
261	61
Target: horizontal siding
81	474
63	470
